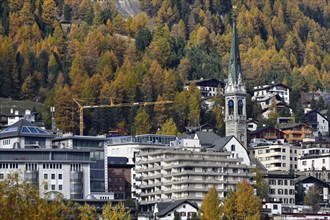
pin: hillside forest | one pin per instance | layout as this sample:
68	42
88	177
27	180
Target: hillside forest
52	51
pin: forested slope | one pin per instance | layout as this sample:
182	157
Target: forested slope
169	42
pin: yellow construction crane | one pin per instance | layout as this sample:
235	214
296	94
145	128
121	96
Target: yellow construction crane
112	105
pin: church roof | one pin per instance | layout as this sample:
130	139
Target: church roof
234	68
207	138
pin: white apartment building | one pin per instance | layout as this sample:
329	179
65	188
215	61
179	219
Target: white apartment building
282	187
278	156
128	146
187	172
315	160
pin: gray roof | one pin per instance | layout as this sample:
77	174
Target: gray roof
219	143
207	138
288	126
166	207
24	128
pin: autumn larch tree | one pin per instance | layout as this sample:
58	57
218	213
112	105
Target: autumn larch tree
242	204
211	207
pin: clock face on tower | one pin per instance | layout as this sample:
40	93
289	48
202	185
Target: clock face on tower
231	103
240	103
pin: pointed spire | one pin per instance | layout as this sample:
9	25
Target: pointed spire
234	70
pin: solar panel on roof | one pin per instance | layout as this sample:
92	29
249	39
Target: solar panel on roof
11	129
33	130
25	130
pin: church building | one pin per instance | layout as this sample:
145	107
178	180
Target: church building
235	94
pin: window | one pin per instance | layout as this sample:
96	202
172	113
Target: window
60	187
60	176
45	176
2	176
259	151
182	213
232	147
53	176
283	150
275	207
53	187
323	160
280	191
304	163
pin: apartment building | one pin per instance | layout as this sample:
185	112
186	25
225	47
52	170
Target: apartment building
282	187
187	172
277	156
315	160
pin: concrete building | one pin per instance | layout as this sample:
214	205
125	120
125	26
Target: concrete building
235	94
277	156
96	145
128	147
186	171
315	160
26	149
282	187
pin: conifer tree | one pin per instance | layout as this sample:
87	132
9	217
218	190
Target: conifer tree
210	208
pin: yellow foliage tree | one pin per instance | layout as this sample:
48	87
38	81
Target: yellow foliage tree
211	208
242	204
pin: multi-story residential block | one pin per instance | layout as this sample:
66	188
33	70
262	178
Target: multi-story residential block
282	187
295	133
278	156
315	160
128	147
208	87
187	171
319	123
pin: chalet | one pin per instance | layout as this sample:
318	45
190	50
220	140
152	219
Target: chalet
319	123
208	87
297	132
267	133
263	94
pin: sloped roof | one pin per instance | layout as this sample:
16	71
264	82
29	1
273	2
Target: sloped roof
203	80
207	138
24	128
311	179
262	129
258	164
166	207
219	143
289	126
318	112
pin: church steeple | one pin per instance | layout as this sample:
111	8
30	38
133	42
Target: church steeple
235	94
234	69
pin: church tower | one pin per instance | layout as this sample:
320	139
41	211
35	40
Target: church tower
235	94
